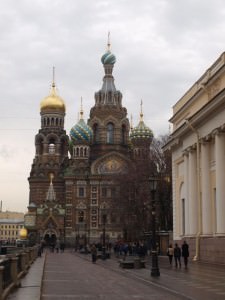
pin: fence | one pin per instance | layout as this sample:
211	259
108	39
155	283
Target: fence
13	267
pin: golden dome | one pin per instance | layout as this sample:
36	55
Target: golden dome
53	101
23	233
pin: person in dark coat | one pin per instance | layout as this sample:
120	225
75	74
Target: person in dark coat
93	253
177	255
185	253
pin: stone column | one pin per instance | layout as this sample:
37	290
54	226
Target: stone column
193	199
1	280
23	262
220	184
205	187
186	193
14	270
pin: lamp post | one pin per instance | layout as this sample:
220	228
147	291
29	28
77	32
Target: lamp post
103	232
155	268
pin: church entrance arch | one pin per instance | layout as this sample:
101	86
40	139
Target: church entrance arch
50	237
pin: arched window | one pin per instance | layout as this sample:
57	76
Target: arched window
51	149
110	132
96	133
123	134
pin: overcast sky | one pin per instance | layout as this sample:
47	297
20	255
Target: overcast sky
162	47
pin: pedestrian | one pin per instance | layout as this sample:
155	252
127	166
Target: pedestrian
170	253
93	253
62	247
57	245
185	253
39	250
177	255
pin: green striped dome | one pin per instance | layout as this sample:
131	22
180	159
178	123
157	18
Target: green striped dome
108	58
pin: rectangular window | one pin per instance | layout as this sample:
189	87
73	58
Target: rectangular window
104	192
113	192
94	195
93	224
93	218
94	211
81	192
94	189
93	201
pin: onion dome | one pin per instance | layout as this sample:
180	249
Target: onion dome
108	58
81	132
53	101
23	233
141	131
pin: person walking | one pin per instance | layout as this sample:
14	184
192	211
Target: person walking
170	253
57	245
93	253
177	255
185	253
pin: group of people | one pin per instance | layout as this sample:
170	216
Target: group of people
177	252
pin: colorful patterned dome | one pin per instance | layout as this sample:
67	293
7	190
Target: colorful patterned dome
81	132
141	132
53	101
108	58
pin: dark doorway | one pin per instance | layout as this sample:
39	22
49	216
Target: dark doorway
50	239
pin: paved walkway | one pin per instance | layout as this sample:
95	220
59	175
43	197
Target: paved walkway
72	276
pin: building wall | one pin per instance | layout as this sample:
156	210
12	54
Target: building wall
10	225
198	162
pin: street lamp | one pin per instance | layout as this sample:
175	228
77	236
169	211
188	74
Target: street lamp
103	233
155	268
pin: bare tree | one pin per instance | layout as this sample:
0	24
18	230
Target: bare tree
132	202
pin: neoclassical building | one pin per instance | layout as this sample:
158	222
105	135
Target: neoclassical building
198	157
72	176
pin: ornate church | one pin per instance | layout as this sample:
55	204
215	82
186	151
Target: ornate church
71	182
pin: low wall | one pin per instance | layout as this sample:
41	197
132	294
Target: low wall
13	267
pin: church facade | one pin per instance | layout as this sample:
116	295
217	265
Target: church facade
72	179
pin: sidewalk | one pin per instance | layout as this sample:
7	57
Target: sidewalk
73	276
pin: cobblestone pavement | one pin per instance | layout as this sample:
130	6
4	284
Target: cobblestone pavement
72	276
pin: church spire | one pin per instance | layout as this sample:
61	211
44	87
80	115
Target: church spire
53	77
141	113
109	43
81	109
51	193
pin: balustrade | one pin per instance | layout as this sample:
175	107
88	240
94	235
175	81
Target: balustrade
13	267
